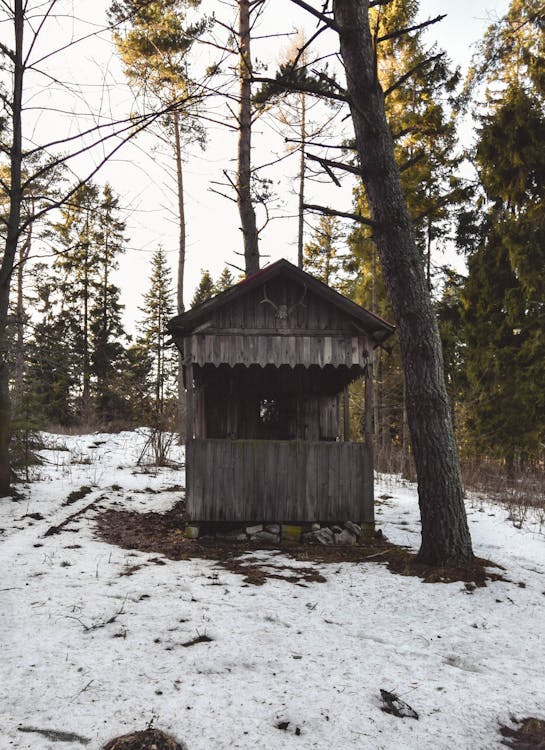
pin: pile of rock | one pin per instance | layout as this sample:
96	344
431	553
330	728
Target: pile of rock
274	533
349	533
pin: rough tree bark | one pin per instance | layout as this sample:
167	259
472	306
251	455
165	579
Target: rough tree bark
20	319
302	159
10	249
244	193
445	534
181	264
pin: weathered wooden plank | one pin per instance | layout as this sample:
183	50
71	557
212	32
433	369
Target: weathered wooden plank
240	480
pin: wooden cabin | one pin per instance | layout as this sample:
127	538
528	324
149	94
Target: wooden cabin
267	367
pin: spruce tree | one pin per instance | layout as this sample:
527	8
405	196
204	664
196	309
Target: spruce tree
504	295
77	265
205	290
323	256
52	365
225	281
89	239
107	332
153	339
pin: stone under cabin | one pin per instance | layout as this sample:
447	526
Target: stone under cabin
267	365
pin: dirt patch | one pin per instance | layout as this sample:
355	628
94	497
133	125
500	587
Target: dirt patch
76	495
163	533
529	734
148	739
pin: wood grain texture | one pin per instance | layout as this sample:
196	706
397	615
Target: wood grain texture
279	481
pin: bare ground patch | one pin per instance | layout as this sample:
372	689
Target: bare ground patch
163	533
528	734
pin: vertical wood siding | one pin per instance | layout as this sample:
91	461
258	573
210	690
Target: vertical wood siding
241	480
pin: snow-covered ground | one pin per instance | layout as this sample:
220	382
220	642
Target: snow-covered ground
315	656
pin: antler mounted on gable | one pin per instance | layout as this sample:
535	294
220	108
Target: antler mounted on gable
283	312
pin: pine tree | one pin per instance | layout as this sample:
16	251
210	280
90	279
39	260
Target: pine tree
323	256
224	282
77	265
504	295
205	289
425	149
90	239
152	336
154	41
52	366
107	332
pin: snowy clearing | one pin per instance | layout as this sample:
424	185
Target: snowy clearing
93	653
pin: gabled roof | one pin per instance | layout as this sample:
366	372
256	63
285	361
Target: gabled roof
375	326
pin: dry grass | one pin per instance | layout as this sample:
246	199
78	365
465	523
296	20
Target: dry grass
523	495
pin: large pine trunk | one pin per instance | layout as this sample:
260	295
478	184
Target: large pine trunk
244	192
445	533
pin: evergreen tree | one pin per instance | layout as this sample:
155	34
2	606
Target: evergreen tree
154	40
90	236
504	295
323	255
77	265
152	336
205	289
52	366
425	149
107	331
423	128
225	281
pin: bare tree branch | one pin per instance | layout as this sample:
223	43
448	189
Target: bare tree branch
335	164
316	13
408	29
343	214
292	86
412	71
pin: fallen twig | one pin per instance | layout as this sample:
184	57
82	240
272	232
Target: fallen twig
56	735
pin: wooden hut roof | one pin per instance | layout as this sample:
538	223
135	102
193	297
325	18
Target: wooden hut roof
377	328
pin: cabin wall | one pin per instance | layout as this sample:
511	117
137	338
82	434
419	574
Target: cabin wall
279	305
278	324
279	481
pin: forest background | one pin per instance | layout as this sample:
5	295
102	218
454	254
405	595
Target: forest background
96	279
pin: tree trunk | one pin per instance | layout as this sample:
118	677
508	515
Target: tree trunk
86	393
10	250
181	265
19	360
445	533
301	212
244	193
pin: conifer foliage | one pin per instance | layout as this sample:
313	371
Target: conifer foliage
503	299
153	339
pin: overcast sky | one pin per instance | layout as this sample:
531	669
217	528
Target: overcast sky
138	172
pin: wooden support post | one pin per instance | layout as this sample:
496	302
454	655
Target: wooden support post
346	415
369	474
368	414
189	402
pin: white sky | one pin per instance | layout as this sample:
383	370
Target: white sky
140	171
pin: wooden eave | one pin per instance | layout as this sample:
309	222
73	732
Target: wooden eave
374	326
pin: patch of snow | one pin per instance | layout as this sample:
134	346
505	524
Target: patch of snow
90	651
